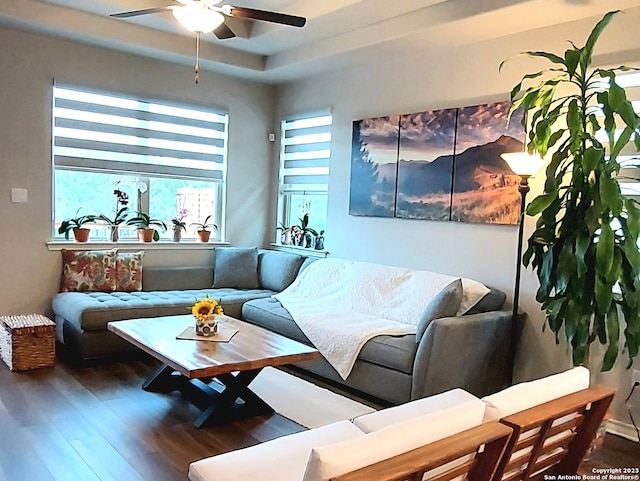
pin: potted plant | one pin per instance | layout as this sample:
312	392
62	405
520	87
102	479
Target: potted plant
319	244
585	245
203	229
304	232
81	234
179	224
144	224
285	235
122	199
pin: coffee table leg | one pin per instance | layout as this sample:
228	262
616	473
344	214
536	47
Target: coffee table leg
224	409
162	380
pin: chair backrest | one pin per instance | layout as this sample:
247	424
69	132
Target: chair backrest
475	452
553	438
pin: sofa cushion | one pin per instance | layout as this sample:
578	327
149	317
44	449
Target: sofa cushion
472	293
92	311
282	459
236	267
458	398
85	271
129	271
492	301
444	304
528	394
395	352
332	460
276	270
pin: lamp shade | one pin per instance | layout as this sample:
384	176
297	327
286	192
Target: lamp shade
198	18
523	164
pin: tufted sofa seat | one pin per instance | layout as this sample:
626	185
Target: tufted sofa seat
82	317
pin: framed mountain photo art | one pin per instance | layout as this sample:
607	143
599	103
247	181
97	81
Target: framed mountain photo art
374	166
438	165
485	190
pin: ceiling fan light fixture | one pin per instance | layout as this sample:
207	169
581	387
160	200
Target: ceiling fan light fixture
196	18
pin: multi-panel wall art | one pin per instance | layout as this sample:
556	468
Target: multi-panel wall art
437	165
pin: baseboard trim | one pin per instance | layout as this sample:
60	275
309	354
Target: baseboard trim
622	429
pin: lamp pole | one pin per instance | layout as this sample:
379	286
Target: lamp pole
524	189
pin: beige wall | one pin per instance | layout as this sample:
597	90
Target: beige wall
28	66
455	77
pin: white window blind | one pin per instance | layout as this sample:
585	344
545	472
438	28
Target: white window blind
97	131
304	154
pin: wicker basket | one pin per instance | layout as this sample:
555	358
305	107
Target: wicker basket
27	342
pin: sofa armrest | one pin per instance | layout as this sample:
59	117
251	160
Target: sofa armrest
176	278
469	352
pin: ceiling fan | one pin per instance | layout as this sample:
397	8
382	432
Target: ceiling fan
206	16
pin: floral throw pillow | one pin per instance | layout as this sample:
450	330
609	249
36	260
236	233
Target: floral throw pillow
129	271
88	271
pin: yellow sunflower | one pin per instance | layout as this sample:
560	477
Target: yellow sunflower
205	308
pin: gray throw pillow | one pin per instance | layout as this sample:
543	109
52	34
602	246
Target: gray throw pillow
236	267
444	304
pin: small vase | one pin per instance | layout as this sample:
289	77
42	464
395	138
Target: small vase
207	328
285	238
204	235
319	244
177	234
115	233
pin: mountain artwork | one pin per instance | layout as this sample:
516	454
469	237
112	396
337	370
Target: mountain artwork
447	165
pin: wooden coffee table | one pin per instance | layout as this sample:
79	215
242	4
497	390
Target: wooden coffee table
191	366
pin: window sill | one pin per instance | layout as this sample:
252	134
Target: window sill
300	250
57	245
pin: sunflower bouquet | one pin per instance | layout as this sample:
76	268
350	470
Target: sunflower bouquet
205	311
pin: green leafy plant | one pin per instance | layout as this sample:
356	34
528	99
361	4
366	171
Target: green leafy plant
303	231
205	225
76	222
585	245
143	221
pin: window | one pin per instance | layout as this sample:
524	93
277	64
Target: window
629	176
164	157
305	150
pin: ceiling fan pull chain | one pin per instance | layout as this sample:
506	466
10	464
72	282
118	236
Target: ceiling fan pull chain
197	67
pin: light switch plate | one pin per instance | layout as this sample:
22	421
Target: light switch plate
19	196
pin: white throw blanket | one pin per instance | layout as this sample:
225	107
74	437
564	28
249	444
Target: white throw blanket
341	304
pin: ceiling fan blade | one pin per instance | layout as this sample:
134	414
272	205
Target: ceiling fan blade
223	32
146	11
274	17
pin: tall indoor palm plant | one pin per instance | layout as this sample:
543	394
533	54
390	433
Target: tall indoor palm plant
585	245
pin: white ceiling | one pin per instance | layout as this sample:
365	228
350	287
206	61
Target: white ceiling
338	33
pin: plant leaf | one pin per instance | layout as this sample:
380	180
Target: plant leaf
604	249
593	38
613	329
610	194
540	203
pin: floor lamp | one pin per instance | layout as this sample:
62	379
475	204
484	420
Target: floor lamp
523	165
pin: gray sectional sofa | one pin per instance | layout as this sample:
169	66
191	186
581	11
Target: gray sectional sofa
469	352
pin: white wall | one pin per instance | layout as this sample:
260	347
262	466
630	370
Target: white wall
456	77
29	64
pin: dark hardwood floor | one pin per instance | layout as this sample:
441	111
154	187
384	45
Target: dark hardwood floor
96	423
71	423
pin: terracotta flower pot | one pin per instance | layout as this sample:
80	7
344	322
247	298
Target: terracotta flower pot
146	235
81	234
204	235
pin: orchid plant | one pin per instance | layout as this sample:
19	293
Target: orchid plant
178	221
